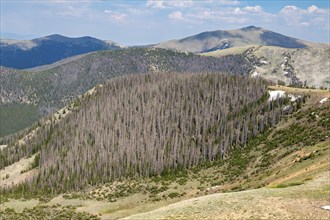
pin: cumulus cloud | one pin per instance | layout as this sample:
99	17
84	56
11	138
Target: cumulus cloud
226	10
237	15
238	11
116	16
312	9
289	9
255	9
228	2
177	15
312	15
167	4
292	9
232	12
71	11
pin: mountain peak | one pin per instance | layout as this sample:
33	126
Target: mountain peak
223	39
250	28
54	37
63	39
56	46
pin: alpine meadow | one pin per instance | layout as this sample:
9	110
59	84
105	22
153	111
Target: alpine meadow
172	110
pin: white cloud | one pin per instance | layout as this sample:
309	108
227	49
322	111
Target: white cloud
177	15
289	9
305	24
71	11
311	16
238	11
116	16
228	2
166	4
312	9
228	14
255	9
155	4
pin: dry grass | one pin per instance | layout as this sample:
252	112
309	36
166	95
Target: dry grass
262	203
308	64
12	175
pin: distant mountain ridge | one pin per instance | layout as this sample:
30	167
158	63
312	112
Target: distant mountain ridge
27	54
23	54
220	39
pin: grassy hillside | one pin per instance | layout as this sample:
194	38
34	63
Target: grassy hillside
296	202
287	167
300	67
56	85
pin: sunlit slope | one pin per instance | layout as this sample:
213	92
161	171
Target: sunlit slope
304	67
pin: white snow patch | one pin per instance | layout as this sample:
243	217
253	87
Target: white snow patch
255	74
326	207
287	108
2	146
324	100
285	73
313	114
264	62
294	98
213	187
273	95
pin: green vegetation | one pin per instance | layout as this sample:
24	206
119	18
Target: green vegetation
289	184
56	212
173	195
36	161
15	117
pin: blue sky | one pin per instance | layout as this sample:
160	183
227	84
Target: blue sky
147	21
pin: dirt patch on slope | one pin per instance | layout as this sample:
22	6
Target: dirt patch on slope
14	174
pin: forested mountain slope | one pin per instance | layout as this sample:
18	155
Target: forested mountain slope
299	67
49	89
146	125
23	54
291	153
